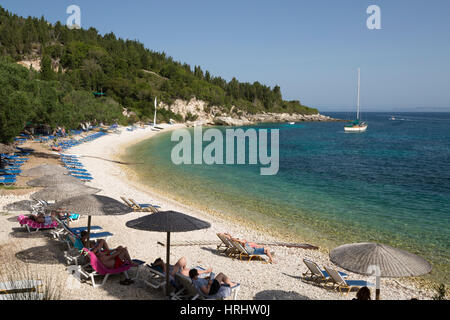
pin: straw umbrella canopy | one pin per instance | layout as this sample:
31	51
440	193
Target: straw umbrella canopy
63	191
168	221
6	149
92	205
385	261
52	180
44	170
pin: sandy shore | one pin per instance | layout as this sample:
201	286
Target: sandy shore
101	157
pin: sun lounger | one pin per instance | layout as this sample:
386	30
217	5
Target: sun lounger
7	182
8	176
317	274
30	224
144	207
10	172
190	292
99	269
128	203
226	246
83	178
157	278
243	253
139	207
96	232
341	283
77	170
75	246
80	173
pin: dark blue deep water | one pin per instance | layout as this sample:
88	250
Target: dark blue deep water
390	184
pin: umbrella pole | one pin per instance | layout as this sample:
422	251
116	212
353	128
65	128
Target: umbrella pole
167	263
89	229
377	288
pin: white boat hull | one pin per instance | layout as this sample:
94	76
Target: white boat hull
355	129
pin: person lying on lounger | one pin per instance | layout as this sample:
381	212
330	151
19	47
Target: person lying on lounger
180	266
209	286
116	258
252	247
93	245
44	219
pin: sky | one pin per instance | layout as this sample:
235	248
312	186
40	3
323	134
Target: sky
312	49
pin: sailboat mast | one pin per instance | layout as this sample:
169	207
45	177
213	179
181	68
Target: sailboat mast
359	91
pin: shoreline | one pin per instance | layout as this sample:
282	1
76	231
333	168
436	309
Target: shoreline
270	281
277	234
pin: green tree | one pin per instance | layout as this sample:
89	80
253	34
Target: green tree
46	68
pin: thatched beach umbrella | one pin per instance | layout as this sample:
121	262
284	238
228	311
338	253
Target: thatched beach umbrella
6	149
44	170
52	180
63	191
385	261
23	205
168	221
92	205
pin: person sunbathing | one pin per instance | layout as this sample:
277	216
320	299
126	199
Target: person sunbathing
114	259
252	247
44	219
94	245
180	266
207	286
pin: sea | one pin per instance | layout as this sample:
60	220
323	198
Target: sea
390	184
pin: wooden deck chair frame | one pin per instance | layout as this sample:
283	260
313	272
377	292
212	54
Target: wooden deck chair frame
150	208
314	272
243	253
128	203
339	282
229	249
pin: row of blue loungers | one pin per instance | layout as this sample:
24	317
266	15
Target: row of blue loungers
65	145
11	165
75	167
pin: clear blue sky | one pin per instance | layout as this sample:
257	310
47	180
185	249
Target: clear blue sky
312	49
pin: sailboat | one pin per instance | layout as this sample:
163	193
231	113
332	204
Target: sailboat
357	125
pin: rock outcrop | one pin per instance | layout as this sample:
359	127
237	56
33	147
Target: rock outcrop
206	115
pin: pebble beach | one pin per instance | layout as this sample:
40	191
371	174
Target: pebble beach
42	255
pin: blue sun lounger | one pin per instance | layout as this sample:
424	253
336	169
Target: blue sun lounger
78	173
77	170
9	172
84	178
8	181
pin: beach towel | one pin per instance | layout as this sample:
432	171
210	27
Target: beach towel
24	220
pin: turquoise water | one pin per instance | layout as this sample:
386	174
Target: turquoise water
390	184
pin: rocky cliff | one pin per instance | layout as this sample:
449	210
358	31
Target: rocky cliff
197	112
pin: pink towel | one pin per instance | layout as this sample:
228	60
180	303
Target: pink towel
33	224
100	268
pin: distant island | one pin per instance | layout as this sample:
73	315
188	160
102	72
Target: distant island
52	75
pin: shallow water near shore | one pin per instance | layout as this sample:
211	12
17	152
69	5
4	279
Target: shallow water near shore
389	185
